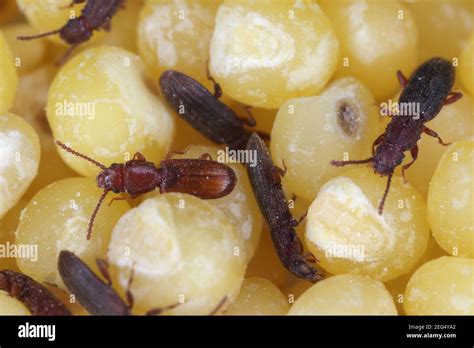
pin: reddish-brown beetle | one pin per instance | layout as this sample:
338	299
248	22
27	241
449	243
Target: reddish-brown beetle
37	298
201	177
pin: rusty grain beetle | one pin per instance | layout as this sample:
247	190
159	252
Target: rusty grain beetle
201	177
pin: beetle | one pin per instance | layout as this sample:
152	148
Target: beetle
95	15
265	178
204	111
201	177
430	88
98	297
36	297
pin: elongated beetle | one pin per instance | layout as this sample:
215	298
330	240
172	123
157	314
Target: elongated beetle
266	183
95	15
36	297
430	88
98	297
204	111
201	177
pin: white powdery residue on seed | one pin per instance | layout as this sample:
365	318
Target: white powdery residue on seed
136	100
5	195
343	192
316	59
159	30
12	144
462	303
246	229
416	294
292	147
236	210
154	248
230	54
31	8
365	37
258	94
406	216
73	235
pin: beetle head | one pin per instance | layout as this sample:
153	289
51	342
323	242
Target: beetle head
386	158
110	179
303	269
75	31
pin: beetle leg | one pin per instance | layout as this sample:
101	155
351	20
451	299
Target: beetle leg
433	134
309	257
176	152
103	266
106	26
402	79
139	157
116	199
296	223
265	136
66	55
249	120
453	97
219	305
217	87
205	156
280	171
129	285
377	142
414	155
73	2
157	311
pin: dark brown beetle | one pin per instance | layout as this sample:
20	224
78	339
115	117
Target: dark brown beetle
266	183
204	111
37	298
202	178
96	296
430	88
95	15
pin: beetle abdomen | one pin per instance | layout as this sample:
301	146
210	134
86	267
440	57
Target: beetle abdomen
429	86
194	103
201	178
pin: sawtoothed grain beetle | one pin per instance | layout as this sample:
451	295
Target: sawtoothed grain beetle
429	88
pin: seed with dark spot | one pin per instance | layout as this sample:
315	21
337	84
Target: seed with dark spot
348	117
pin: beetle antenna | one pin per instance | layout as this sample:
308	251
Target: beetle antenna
68	149
94	214
387	187
66	55
32	37
348	163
